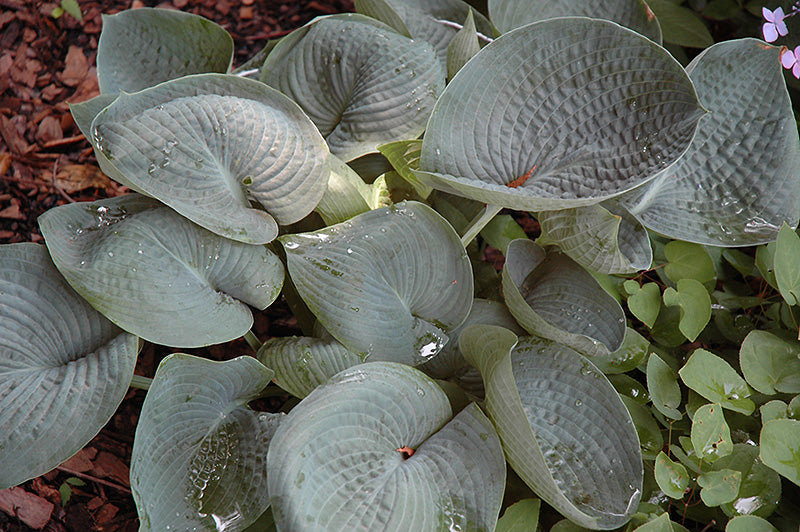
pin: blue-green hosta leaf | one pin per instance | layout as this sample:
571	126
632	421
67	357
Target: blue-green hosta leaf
198	459
770	364
739	180
558	114
207	145
760	490
64	368
717	381
598	239
431	21
390	283
629	355
634	14
340	459
362	83
139	48
672	477
564	428
404	157
780	447
711	436
553	297
303	363
662	384
158	275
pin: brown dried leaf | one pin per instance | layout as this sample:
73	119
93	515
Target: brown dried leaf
76	177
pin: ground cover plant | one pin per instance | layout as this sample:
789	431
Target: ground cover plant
634	364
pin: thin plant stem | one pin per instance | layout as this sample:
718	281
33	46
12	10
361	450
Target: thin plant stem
456	25
140	382
479	222
252	339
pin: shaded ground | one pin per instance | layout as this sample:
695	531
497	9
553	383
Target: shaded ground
44	162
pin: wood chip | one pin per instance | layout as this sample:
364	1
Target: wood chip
82	460
76	68
49	130
107	465
31	509
106	513
11	136
12	212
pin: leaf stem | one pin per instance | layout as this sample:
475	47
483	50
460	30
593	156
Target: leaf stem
252	340
479	222
140	382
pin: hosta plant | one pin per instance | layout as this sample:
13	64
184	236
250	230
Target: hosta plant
633	363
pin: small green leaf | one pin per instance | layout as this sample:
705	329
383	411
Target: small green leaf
719	487
749	523
688	261
644	303
711	436
72	7
774	410
760	490
695	305
56	13
717	381
627	357
680	25
765	262
659	524
627	385
650	438
663	387
501	231
66	493
780	447
787	264
671	476
770	364
721	9
522	516
744	263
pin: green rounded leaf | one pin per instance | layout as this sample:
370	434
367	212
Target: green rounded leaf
198	459
719	487
302	363
553	297
749	523
558	114
390	283
662	384
695	304
207	145
634	14
787	259
139	48
681	25
780	447
362	83
717	381
644	302
522	516
738	181
598	239
770	364
760	490
711	436
158	275
564	428
650	439
671	476
338	463
64	368
688	261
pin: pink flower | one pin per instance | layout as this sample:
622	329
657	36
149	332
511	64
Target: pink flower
774	24
791	59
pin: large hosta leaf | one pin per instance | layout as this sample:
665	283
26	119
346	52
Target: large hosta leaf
158	275
634	14
64	368
207	145
433	21
389	283
340	460
362	83
564	428
553	297
199	458
558	114
740	178
598	239
139	48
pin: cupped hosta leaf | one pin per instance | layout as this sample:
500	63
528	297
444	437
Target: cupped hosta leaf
390	283
64	368
340	460
770	364
558	114
139	48
780	447
303	363
564	428
739	179
404	157
553	297
629	355
207	145
432	21
199	456
362	83
158	275
598	239
634	14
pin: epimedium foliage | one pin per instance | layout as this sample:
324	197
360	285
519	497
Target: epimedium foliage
634	368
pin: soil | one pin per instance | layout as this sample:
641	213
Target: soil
45	64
